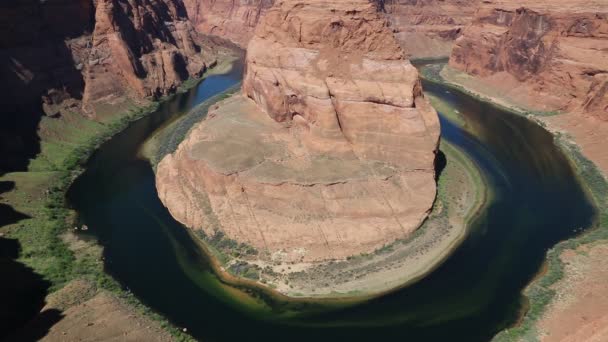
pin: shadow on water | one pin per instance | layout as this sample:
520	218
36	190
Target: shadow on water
537	202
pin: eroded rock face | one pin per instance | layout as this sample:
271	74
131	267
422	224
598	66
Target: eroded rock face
424	28
233	20
427	28
556	50
76	55
139	48
329	153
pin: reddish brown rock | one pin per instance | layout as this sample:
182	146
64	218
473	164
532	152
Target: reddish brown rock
233	20
424	28
139	48
427	28
75	55
550	55
332	153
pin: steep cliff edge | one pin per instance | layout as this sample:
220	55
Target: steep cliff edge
138	49
428	28
545	55
233	20
330	154
87	57
424	28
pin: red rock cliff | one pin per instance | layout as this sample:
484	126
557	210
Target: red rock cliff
555	52
83	56
427	28
139	48
230	19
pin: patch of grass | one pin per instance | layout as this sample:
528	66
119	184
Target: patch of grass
224	248
245	270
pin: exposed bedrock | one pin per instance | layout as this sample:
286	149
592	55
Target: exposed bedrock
230	19
328	153
75	55
424	28
551	55
428	28
140	48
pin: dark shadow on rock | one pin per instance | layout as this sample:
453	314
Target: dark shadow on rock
39	327
22	291
440	163
37	69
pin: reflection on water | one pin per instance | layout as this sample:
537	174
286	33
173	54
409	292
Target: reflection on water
474	294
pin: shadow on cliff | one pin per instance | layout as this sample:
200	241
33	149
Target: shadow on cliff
440	163
22	294
8	215
22	291
38	42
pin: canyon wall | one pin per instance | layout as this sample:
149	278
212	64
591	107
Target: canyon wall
328	153
230	19
84	56
427	28
546	55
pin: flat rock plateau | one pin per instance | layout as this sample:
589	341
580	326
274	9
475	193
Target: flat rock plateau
329	153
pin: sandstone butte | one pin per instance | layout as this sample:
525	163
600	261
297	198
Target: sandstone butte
328	153
425	28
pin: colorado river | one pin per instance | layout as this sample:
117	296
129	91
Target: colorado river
536	203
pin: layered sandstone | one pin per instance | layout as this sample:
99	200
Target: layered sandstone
424	28
75	56
138	49
549	55
233	20
330	151
428	28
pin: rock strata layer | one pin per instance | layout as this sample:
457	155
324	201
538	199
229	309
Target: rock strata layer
233	20
425	28
548	55
89	57
428	28
330	151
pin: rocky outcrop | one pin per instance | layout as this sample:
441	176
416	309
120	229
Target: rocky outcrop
139	48
551	55
427	28
233	20
329	153
80	55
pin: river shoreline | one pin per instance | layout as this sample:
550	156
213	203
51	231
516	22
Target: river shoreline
377	273
59	254
540	291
